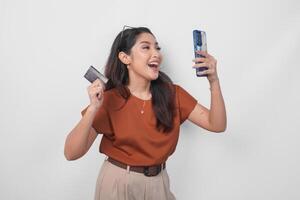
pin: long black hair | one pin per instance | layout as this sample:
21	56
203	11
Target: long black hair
162	90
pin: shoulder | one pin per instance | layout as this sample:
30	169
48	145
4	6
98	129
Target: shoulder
110	92
177	88
183	95
112	99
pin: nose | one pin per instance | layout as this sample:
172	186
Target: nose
156	53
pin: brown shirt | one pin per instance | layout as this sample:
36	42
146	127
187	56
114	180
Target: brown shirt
130	136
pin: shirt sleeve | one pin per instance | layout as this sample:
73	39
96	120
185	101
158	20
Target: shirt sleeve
186	103
101	123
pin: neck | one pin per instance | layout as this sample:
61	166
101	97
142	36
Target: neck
140	88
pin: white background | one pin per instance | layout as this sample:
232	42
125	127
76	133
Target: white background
46	47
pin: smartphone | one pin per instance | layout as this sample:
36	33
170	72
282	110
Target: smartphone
199	44
92	74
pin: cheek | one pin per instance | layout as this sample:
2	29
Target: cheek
140	57
160	56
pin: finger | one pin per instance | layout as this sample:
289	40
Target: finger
100	95
199	59
97	83
92	88
96	91
200	65
205	72
203	53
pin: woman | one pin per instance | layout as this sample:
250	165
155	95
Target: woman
139	111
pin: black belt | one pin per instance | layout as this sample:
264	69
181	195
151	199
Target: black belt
146	170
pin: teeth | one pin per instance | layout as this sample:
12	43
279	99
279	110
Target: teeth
152	65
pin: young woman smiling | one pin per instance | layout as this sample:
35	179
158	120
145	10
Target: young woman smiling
139	112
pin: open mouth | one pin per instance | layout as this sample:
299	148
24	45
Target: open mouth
153	65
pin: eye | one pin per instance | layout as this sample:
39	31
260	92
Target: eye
158	48
146	47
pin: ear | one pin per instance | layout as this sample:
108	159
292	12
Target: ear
124	58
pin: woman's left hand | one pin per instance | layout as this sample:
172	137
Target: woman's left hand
208	61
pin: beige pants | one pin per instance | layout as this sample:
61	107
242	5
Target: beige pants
115	183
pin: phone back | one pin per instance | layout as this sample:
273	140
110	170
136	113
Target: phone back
199	38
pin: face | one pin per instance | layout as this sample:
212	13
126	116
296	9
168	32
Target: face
145	58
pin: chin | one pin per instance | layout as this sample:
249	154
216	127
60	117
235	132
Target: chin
154	77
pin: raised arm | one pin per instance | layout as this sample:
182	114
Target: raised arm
213	119
82	136
80	139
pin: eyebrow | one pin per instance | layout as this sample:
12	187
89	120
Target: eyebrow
156	43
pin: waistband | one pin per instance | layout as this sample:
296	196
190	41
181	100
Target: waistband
146	170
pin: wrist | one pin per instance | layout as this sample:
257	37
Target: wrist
92	108
214	85
214	80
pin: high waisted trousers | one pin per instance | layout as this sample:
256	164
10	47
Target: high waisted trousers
116	183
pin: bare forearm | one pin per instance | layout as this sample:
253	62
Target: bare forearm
217	114
77	139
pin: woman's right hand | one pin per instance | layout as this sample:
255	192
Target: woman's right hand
96	93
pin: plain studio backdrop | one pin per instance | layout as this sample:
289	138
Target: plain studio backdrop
47	46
